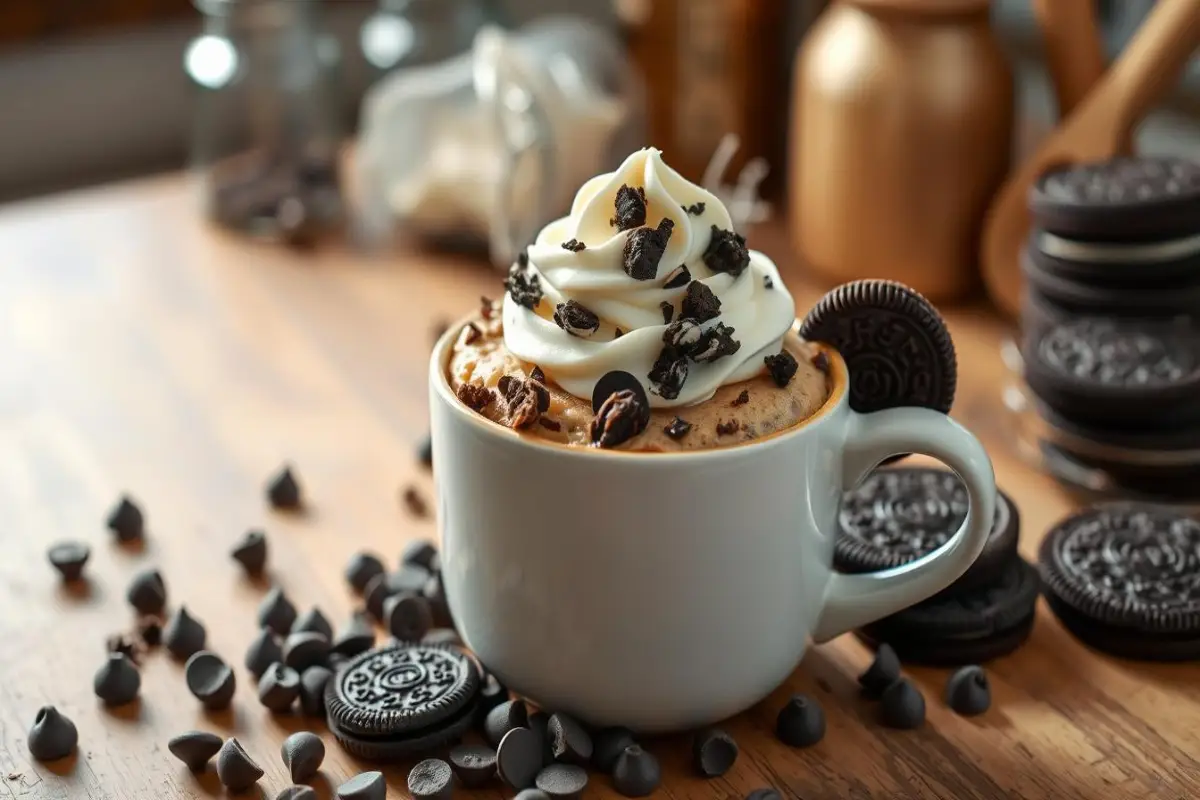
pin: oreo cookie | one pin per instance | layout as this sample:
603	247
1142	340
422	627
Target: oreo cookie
1088	296
894	343
896	516
965	628
1124	578
1125	265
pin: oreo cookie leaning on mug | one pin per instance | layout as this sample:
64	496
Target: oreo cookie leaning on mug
660	559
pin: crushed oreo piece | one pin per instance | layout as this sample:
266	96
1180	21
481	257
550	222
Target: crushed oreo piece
669	373
700	303
574	245
537	374
621	417
821	362
630	207
727	427
683	334
742	398
526	400
716	342
767	282
782	367
487	309
644	249
550	424
575	319
680	276
474	397
415	503
668	312
618	333
695	209
726	252
523	286
471	333
678	428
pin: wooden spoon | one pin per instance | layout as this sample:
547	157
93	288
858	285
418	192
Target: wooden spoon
1095	131
1074	49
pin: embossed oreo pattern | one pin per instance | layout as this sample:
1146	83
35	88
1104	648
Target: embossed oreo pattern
1130	565
1122	181
1105	352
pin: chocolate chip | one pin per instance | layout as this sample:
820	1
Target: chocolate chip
419	552
727	427
408	617
362	567
680	276
537	374
263	651
297	793
902	706
123	644
283	491
210	680
767	282
312	620
716	342
117	681
147	593
699	303
695	209
184	634
636	773
126	520
278	688
474	764
414	503
430	779
612	382
575	319
883	672
741	399
52	736
801	722
312	690
549	424
519	757
968	692
574	245
622	416
276	612
782	367
69	559
607	746
503	718
562	781
303	650
618	333
669	373
538	721
365	786
471	333
726	252
195	748
435	593
569	741
523	285
713	752
425	451
644	249
630	207
235	768
302	754
682	335
491	694
678	428
251	552
150	630
474	396
821	362
358	637
531	794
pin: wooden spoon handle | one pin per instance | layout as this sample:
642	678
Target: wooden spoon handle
1154	59
1074	49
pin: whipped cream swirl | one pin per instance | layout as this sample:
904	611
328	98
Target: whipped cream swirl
628	330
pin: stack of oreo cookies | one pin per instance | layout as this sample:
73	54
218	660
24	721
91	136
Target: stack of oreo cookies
1111	323
898	515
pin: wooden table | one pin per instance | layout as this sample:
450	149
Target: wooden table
142	351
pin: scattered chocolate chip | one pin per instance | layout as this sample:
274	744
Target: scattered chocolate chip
365	786
251	552
883	672
782	367
150	629
537	374
902	706
821	362
727	427
523	285
210	680
503	718
357	637
491	694
644	249
430	779
767	282
471	333
408	617
741	399
607	746
570	742
435	592
474	764
283	491
123	644
312	620
304	650
312	690
562	781
622	416
69	558
184	634
575	319
968	692
630	207
52	736
716	342
618	333
669	373
612	382
414	503
549	424
699	303
678	428
487	308
765	793
668	312
801	722
425	451
362	567
297	793
726	252
263	651
126	520
474	396
519	757
195	748
278	688
235	768
713	752
695	209
531	794
636	773
574	245
276	612
538	721
147	593
302	754
117	681
680	276
419	552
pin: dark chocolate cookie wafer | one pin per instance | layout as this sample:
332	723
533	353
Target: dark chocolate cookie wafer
1131	265
895	345
954	652
1086	296
1141	198
896	516
419	742
1129	569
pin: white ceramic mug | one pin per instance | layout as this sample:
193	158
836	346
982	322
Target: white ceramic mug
664	591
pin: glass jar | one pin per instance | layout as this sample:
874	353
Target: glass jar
266	134
405	33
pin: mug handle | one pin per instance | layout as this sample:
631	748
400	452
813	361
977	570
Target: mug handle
852	601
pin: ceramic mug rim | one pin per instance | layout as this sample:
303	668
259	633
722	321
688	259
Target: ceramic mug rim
439	363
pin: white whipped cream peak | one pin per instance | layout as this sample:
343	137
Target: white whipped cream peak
755	303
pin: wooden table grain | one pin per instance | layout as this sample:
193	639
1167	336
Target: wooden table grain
141	351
